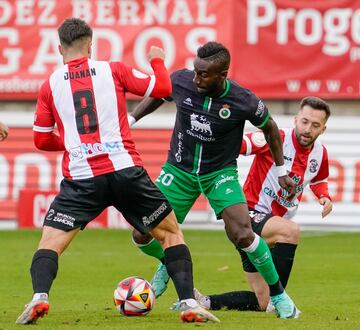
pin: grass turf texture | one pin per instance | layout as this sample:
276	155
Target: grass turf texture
324	282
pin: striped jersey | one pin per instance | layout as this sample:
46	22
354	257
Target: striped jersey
306	166
86	100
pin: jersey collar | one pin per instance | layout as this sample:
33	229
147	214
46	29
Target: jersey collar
226	90
77	61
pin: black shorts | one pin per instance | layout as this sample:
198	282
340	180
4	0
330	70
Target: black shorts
258	221
129	190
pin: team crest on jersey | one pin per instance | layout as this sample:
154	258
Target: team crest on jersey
225	112
313	165
260	109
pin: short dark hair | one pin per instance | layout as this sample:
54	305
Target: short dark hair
214	51
73	29
317	104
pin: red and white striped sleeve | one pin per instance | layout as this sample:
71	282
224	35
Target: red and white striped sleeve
44	122
319	184
157	85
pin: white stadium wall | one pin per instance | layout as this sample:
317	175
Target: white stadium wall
342	140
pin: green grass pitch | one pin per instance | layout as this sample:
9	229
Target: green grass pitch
325	282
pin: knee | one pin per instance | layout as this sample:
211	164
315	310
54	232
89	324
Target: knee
242	238
289	233
292	233
140	238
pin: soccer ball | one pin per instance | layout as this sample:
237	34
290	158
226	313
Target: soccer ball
134	296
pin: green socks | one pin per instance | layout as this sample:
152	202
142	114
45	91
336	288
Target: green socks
153	248
259	254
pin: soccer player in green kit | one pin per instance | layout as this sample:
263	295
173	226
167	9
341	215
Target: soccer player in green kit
206	140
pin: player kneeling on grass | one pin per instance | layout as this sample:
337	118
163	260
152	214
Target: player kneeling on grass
210	119
86	100
307	164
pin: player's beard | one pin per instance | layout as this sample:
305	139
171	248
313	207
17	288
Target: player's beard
305	140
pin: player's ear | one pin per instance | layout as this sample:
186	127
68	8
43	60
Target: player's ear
89	49
323	130
60	49
224	74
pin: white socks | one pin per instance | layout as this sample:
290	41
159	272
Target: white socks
40	296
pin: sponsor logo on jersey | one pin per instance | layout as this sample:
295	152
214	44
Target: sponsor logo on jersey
188	101
280	199
288	158
147	220
225	112
296	178
260	109
80	74
200	124
313	165
92	149
180	148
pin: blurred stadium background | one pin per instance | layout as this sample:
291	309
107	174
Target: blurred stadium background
282	50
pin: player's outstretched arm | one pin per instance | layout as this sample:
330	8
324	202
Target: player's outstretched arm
146	106
273	138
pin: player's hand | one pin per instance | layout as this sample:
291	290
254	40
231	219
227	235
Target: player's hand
289	185
4	131
327	206
156	52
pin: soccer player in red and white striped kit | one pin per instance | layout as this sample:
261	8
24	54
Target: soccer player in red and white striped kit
101	167
306	161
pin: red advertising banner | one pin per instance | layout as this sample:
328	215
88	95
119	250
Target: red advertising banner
123	30
280	48
290	49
